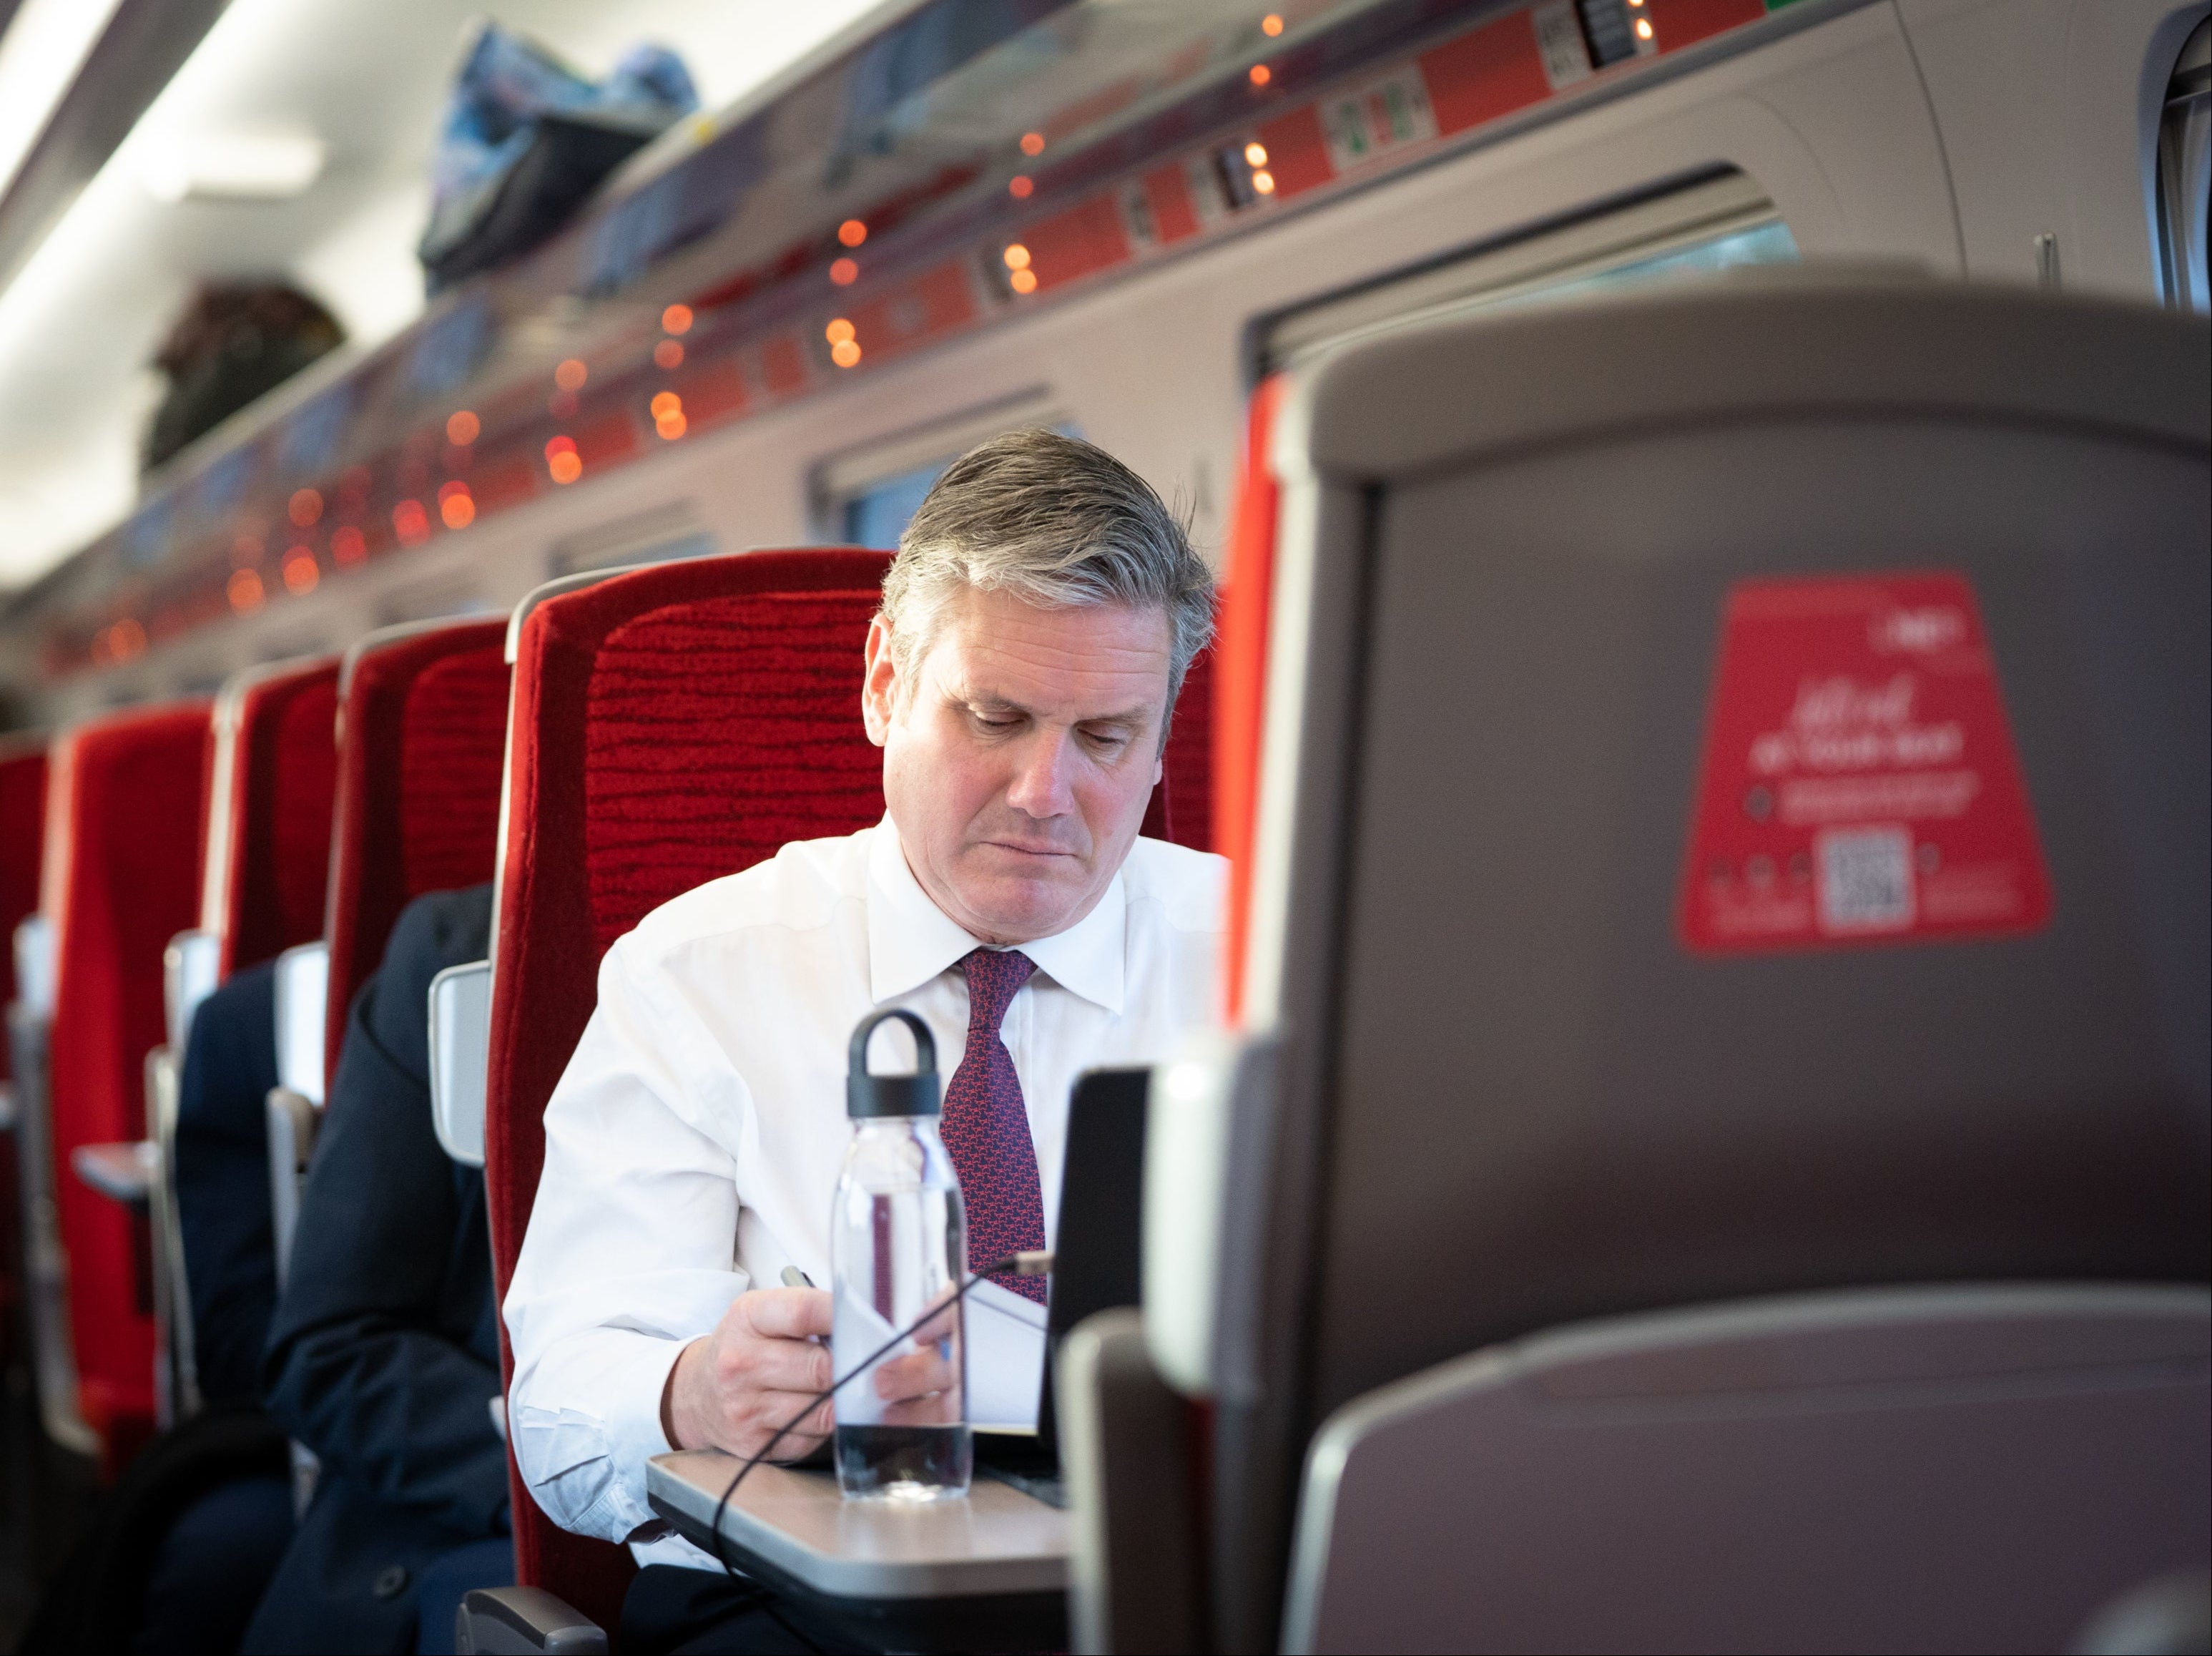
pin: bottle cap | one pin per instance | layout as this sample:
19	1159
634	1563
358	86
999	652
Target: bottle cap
867	1095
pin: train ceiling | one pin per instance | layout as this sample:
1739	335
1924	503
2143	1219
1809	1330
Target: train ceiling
967	160
89	286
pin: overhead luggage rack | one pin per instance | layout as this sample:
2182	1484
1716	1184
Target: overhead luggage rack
982	161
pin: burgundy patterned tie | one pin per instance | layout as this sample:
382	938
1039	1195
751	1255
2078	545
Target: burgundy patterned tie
985	1126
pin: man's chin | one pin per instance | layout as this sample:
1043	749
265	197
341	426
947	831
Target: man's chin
1010	907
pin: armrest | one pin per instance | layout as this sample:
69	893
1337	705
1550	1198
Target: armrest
303	987
501	1620
189	967
34	963
121	1172
293	1119
460	1058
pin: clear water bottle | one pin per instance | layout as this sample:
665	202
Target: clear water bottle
897	1248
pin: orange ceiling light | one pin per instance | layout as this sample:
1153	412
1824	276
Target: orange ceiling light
669	353
1016	256
463	428
1032	143
244	590
1260	75
844	272
665	404
1022	281
1264	181
349	547
677	319
306	507
1271	25
839	331
571	375
1255	154
852	232
562	463
1020	186
410	522
302	576
845	353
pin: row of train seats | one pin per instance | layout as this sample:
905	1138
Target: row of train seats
288	821
668	724
1713	1149
1662	1196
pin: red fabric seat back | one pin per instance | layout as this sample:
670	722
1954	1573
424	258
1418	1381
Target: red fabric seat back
119	881
22	807
670	726
1182	808
22	831
273	767
423	728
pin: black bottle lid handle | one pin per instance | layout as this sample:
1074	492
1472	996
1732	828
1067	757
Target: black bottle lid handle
917	1094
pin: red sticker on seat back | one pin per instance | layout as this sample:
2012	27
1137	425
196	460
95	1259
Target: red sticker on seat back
1859	784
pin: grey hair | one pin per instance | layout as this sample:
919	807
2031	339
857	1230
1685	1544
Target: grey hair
1058	522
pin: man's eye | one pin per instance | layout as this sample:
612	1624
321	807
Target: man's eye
989	722
1107	742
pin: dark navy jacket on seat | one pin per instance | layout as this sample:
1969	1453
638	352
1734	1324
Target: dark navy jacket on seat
383	1354
223	1181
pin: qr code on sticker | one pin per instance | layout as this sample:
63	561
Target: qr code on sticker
1865	879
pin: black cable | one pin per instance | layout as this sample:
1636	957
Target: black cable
1022	1265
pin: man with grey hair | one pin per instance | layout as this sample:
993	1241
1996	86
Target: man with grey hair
1020	678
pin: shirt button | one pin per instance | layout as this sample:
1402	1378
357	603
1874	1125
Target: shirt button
391	1583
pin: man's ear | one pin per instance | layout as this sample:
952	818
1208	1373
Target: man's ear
879	683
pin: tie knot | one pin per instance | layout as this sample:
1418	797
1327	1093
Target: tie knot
994	976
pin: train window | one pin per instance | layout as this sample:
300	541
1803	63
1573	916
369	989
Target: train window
877	514
2184	175
864	497
1712	225
659	536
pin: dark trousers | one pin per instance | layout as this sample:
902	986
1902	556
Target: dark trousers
673	1611
210	1567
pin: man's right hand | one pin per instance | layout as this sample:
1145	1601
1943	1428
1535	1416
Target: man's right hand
732	1389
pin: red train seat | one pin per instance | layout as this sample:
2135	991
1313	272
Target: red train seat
636	699
23	813
116	887
422	720
273	773
422	726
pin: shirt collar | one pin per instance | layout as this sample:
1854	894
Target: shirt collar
911	939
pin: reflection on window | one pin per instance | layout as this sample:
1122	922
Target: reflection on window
1761	244
1716	224
877	516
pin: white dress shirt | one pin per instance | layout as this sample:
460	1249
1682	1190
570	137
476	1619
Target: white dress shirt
693	1145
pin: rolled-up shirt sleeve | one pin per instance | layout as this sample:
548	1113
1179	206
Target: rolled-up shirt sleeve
630	1251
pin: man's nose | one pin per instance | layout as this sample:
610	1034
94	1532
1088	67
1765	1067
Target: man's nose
1040	785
